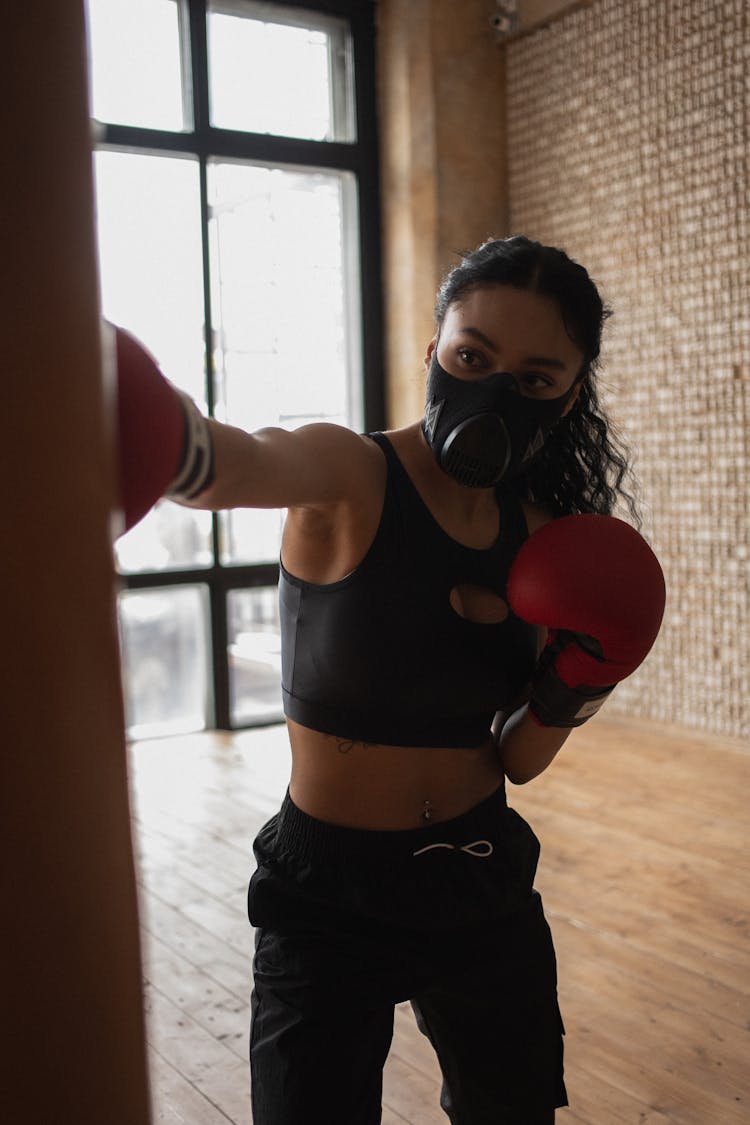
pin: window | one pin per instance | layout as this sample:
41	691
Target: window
236	193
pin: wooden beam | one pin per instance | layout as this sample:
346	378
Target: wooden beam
441	111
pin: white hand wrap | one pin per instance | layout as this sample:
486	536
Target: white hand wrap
197	465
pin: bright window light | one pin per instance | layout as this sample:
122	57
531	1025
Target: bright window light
136	63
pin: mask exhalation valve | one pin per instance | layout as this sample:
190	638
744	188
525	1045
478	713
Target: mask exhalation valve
477	451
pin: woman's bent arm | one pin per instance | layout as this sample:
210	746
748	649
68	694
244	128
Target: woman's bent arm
526	748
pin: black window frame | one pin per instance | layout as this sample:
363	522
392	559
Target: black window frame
205	142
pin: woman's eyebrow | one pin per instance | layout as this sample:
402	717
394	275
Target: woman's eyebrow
545	361
535	360
478	335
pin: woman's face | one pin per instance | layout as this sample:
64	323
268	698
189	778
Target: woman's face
499	328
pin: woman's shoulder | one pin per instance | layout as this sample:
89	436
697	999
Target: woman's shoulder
347	456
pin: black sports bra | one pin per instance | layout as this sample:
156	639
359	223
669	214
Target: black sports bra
381	656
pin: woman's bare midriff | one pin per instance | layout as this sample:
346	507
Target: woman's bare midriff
365	785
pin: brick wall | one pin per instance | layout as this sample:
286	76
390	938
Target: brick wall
628	134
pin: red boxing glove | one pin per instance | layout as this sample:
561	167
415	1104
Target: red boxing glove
595	583
164	444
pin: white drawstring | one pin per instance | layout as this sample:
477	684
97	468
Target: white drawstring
472	849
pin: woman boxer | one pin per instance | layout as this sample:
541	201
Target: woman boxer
417	568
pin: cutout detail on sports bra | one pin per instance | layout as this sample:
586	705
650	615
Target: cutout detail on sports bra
478	604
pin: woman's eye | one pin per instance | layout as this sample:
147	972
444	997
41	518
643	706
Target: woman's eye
534	382
469	357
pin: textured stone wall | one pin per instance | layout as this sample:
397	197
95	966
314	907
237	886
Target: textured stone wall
628	143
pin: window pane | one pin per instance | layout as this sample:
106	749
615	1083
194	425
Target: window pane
165	660
148	219
148	228
290	74
169	538
254	656
284	280
250	535
135	63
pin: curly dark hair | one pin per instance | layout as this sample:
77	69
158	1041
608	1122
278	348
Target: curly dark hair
583	465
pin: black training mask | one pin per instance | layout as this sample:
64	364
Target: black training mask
484	430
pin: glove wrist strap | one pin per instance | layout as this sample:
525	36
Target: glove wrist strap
197	464
554	704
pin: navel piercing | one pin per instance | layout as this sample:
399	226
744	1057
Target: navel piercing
427	811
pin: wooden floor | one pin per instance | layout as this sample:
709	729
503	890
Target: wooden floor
644	873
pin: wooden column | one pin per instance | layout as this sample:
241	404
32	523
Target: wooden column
441	107
73	1043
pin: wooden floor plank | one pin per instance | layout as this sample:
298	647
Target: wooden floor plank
645	877
411	1093
177	1102
390	1117
211	1067
204	950
220	1012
